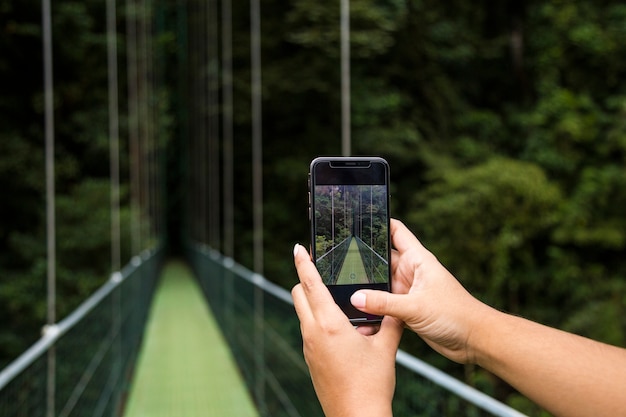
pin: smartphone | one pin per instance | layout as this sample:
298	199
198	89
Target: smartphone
349	213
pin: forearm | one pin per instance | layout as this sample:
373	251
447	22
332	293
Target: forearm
567	374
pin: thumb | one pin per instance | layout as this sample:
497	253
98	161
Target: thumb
382	303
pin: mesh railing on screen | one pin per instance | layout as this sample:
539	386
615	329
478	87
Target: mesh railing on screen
80	366
258	320
329	264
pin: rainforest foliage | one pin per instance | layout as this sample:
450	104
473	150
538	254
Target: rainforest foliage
504	124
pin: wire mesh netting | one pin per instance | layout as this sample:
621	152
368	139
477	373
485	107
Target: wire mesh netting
82	365
258	320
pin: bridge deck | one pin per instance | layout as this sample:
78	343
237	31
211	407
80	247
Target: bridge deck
185	367
353	269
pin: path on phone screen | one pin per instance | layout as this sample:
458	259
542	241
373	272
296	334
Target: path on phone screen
352	269
185	367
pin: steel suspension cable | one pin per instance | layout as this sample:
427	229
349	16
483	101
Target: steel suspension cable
151	111
213	123
133	124
149	124
50	175
114	161
257	135
142	115
257	197
50	199
346	141
227	128
114	145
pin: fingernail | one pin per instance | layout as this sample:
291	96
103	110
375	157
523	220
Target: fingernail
296	248
358	299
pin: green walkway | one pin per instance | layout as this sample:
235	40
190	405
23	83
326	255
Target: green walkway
352	269
185	368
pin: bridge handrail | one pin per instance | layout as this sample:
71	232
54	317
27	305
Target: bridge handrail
362	242
331	267
372	266
406	360
53	332
339	245
135	282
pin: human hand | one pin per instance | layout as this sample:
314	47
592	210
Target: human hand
426	297
353	373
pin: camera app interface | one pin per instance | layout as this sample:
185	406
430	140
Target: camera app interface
351	243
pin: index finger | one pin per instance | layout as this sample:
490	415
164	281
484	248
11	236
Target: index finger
319	299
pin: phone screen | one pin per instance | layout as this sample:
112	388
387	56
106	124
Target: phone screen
350	227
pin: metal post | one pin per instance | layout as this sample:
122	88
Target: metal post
346	146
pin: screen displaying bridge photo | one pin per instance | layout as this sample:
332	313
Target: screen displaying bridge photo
351	244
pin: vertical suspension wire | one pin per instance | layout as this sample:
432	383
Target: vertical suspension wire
198	117
133	124
114	145
184	113
114	166
50	200
190	94
149	125
257	139
203	157
144	184
159	79
203	104
151	122
227	128
196	122
228	161
213	123
257	196
50	175
346	140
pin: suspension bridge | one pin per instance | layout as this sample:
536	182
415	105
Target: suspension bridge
200	334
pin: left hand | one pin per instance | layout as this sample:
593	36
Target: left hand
353	372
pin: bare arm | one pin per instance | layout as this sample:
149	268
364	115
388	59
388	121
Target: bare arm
567	374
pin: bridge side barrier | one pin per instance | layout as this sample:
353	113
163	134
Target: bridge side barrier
329	264
260	324
375	265
91	352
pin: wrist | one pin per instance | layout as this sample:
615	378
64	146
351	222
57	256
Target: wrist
485	336
363	410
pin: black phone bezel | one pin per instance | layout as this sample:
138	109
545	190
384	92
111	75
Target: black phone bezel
350	171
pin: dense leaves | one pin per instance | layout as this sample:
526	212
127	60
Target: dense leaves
504	124
82	203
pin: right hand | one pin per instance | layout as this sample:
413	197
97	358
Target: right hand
426	297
